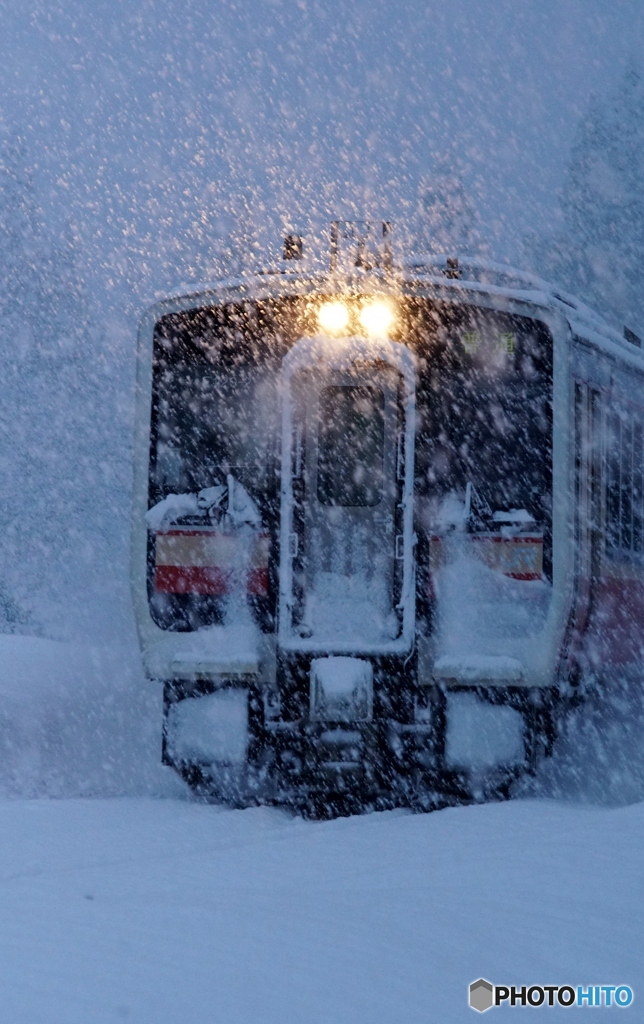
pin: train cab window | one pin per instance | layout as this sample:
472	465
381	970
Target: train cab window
351	442
214	449
211	422
484	474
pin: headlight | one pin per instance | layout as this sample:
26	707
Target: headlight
377	317
333	317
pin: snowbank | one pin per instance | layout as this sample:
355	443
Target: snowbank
599	755
167	912
77	721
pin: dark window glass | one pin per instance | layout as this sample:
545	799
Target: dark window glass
624	487
626	510
484	417
613	489
637	488
351	443
213	422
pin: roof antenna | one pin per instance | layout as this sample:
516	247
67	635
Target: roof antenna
632	337
452	269
365	244
293	247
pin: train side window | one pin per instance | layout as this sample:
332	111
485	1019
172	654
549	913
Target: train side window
613	485
624	487
637	489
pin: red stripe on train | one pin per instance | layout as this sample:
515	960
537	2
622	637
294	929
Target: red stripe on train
523	575
206	580
493	538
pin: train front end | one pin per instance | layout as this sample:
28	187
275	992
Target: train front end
343	536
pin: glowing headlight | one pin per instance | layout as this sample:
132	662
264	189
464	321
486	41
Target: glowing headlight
377	317
333	317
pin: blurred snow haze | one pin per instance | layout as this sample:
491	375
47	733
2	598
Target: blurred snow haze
149	143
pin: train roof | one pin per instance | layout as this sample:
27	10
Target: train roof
499	278
446	274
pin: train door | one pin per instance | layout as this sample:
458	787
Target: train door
349	519
345	506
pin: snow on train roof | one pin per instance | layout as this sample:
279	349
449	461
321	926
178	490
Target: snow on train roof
497	278
467	273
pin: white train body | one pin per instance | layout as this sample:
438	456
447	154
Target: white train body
371	565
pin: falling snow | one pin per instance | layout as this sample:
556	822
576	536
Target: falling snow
148	146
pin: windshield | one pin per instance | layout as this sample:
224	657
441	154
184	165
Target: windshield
484	475
215	420
483	463
351	446
213	481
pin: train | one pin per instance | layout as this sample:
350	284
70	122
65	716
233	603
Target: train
388	525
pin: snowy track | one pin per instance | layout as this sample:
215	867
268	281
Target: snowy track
171	912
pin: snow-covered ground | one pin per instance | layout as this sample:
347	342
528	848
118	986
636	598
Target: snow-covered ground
172	912
121	898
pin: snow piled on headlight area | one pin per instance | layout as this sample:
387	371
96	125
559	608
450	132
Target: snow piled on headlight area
130	900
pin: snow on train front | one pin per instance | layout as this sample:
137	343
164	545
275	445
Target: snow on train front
343	532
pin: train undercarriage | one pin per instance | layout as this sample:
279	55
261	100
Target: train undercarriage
406	757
